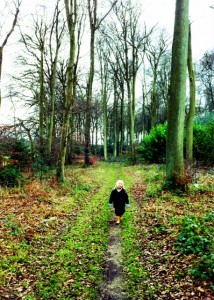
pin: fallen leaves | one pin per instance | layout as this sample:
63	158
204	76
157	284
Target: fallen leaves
52	240
157	226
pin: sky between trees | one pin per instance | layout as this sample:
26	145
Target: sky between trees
159	12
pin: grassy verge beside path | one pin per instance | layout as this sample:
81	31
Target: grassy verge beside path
64	259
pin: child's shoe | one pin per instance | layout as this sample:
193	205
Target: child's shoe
118	220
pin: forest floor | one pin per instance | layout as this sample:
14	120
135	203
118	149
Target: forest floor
61	241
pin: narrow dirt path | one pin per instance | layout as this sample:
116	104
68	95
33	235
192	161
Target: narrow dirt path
113	287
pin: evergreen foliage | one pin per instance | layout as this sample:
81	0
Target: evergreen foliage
17	150
15	154
153	147
203	141
9	176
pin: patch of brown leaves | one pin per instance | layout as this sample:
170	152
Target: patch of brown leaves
168	269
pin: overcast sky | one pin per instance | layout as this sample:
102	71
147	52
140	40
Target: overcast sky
159	12
200	14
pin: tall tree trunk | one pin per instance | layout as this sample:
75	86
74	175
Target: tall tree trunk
96	136
129	114
154	104
92	11
104	96
122	120
53	76
132	118
176	105
52	108
115	149
89	96
41	99
71	13
63	147
191	113
144	93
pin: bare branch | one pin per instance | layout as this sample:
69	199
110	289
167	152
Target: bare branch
13	25
112	6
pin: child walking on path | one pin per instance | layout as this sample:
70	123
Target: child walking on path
119	199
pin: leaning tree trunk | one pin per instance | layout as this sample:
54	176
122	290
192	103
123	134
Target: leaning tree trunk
191	113
176	105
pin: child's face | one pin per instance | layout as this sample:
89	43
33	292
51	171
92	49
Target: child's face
120	186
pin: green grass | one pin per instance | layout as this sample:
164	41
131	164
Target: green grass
65	256
75	267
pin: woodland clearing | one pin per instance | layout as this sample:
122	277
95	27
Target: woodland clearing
56	240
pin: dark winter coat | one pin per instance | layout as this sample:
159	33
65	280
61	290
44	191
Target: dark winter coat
119	200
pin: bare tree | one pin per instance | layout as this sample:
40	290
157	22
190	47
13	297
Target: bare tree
56	34
154	55
132	40
104	54
205	76
94	25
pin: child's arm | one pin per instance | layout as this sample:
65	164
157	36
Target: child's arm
127	199
111	199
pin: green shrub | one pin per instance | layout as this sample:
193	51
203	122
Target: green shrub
205	268
203	141
16	150
153	147
195	236
10	176
40	165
